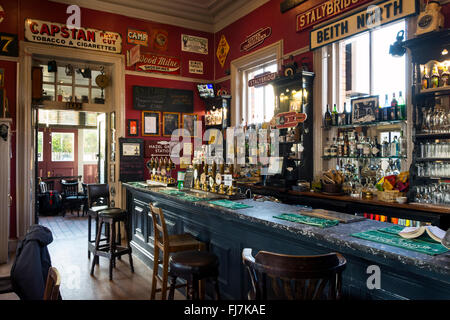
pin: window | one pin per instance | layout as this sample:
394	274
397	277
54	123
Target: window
90	145
68	118
260	101
40	146
65	86
63	146
365	67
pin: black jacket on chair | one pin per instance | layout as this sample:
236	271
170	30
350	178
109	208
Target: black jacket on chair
30	269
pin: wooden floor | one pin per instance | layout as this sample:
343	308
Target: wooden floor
68	253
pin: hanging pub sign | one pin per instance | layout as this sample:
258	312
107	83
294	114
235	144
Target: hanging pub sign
150	62
262	79
256	38
194	44
9	45
137	37
83	38
325	11
370	17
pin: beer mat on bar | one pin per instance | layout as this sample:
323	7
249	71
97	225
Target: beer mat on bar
189	198
312	221
389	237
138	184
230	204
331	215
172	192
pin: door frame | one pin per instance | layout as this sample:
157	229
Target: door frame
25	182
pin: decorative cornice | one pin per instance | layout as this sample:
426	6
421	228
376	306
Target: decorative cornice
165	76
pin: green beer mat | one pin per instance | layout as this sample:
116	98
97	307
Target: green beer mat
229	204
312	221
172	192
389	237
189	198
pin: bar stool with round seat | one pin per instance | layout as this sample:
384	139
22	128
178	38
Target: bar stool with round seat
167	244
193	266
98	200
112	217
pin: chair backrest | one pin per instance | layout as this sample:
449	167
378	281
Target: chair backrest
69	188
280	276
160	233
52	285
43	187
98	194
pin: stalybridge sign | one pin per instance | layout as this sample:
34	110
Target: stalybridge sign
62	35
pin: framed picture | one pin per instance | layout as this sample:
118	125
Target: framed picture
151	123
2	77
133	126
130	149
189	123
171	122
363	109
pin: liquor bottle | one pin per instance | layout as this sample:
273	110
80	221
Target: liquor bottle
352	145
334	116
394	107
394	147
402	145
333	149
401	115
367	148
425	78
327	119
435	77
445	76
376	148
359	146
326	149
377	113
386	109
348	113
346	146
385	148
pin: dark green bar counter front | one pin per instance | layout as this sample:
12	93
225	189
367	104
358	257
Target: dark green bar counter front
405	274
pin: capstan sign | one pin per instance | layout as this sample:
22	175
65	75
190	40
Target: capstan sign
83	38
149	62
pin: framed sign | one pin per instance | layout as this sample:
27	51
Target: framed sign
171	121
130	149
9	45
194	44
131	159
163	99
149	62
188	123
138	37
151	121
133	127
363	109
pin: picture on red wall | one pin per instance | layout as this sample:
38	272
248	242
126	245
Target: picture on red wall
188	123
151	123
171	122
133	125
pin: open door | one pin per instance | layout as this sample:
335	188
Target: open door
101	156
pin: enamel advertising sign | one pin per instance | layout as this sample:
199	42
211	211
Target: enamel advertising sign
194	44
262	79
288	119
222	50
375	15
150	62
256	38
83	38
137	37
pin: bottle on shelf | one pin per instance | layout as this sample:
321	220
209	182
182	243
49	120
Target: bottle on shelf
385	148
394	107
327	118
445	76
346	146
333	149
359	146
402	145
401	114
386	108
348	113
367	148
334	116
376	148
394	147
425	78
326	149
434	80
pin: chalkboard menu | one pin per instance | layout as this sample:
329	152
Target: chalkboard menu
188	178
131	159
163	99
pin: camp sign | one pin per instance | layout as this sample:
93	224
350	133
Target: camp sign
62	35
363	20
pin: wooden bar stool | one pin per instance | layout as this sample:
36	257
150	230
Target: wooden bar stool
112	216
167	244
98	200
277	276
193	266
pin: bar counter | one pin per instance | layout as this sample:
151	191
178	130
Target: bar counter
405	274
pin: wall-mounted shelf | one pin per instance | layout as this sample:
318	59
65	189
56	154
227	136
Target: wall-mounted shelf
368	124
362	158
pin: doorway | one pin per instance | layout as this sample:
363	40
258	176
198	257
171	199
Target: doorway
70	147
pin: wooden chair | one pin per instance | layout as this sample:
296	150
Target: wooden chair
71	198
279	276
167	244
52	285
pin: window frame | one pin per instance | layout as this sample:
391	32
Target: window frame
73	146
